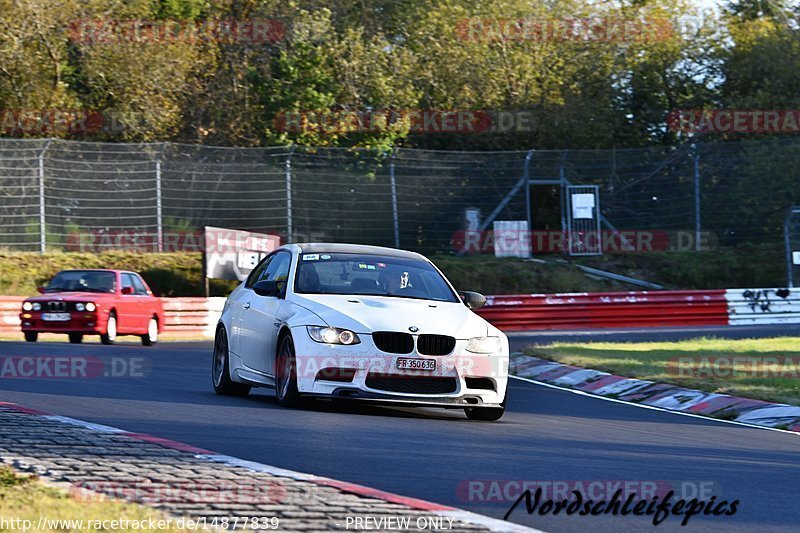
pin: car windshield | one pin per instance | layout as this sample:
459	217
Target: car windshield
82	281
374	275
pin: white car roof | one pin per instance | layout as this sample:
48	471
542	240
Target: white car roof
322	247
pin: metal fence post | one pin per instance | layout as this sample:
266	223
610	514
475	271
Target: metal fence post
159	217
562	178
527	174
42	220
395	216
788	244
697	227
787	238
288	173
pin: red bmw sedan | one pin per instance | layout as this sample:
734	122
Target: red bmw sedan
108	303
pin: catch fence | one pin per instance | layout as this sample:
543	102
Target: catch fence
69	195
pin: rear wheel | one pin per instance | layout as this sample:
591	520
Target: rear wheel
220	369
31	336
151	337
76	338
110	336
487	414
286	374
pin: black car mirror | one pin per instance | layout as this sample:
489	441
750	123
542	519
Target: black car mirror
473	300
268	288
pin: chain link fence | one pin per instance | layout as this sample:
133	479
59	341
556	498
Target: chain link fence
57	194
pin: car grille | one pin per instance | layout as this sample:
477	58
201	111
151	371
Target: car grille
435	344
55	307
411	385
391	342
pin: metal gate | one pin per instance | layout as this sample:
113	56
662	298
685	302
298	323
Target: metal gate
583	220
791	232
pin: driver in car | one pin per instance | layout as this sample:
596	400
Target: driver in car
394	282
308	279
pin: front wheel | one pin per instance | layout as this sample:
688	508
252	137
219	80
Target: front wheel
286	374
220	369
151	337
31	336
486	414
75	338
110	336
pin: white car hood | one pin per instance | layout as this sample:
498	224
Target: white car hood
365	314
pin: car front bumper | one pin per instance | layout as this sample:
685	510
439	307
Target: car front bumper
80	322
362	372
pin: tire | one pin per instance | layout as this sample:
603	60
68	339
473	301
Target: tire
31	336
286	374
110	336
75	338
151	337
486	414
220	369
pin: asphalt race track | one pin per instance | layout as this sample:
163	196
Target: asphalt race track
546	435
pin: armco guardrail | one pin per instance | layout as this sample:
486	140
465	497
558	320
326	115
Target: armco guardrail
607	310
516	312
182	316
763	306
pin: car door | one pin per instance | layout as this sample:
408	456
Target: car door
262	317
142	303
243	296
129	314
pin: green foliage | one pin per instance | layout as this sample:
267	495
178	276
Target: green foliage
167	274
178	9
360	55
747	367
490	275
723	268
180	274
177	225
9	478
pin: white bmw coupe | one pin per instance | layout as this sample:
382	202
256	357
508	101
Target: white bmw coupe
359	322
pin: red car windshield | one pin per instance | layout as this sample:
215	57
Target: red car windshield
82	281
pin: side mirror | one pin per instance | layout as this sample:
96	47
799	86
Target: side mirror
268	288
41	289
127	290
473	300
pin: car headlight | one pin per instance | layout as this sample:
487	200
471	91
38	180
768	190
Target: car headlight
27	306
332	335
37	306
90	307
79	307
483	345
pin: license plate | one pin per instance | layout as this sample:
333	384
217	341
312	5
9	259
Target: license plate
404	363
55	317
